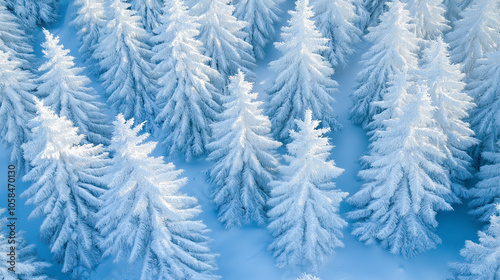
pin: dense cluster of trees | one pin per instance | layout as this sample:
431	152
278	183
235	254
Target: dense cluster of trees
428	96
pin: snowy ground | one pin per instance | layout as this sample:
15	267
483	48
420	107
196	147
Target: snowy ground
243	252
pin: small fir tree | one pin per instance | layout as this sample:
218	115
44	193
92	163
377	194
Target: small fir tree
393	52
66	91
222	36
90	22
67	181
188	101
244	156
16	106
33	13
405	183
149	11
337	21
124	57
482	261
303	75
261	15
304	203
476	33
145	218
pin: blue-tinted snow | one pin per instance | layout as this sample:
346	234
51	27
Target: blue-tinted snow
243	252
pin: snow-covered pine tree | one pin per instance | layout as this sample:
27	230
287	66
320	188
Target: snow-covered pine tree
404	182
188	101
149	11
27	264
484	87
89	22
486	193
476	33
13	37
454	7
261	15
33	13
303	75
393	52
447	93
66	91
428	16
482	261
67	180
16	106
304	202
145	218
244	156
337	21
222	36
124	55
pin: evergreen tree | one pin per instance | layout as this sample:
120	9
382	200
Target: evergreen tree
337	20
476	33
304	202
27	264
484	87
429	18
244	156
303	75
222	36
13	38
486	193
124	56
446	90
67	181
66	91
16	106
33	13
405	183
482	259
90	21
261	15
149	11
393	52
188	101
145	218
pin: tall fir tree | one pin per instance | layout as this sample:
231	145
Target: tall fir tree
16	106
476	33
150	12
222	36
33	13
429	18
261	15
66	91
124	56
27	264
405	183
188	100
67	181
447	92
90	22
337	21
486	193
303	75
13	38
393	52
482	261
244	156
484	87
145	218
304	202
